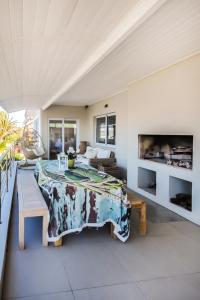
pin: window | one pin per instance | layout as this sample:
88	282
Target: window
101	130
111	124
106	129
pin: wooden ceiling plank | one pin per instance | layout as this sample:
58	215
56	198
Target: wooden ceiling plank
135	17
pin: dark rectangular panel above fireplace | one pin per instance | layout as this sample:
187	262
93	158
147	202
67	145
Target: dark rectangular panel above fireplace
174	150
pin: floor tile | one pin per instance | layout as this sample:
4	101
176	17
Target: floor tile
91	266
151	257
161	229
175	288
57	296
114	292
33	272
186	251
188	229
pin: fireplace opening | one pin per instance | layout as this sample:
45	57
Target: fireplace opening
147	180
174	150
180	192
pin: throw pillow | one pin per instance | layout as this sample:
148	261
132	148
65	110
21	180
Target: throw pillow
103	153
91	153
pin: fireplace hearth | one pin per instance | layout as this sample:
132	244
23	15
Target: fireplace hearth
174	150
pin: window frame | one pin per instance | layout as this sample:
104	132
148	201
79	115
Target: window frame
106	144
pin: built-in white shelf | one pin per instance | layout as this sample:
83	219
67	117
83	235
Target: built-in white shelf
148	161
147	180
180	192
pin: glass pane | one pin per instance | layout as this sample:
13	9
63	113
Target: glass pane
101	130
55	138
70	132
111	129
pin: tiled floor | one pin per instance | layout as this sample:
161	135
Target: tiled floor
163	265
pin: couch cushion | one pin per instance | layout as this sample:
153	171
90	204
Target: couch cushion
89	148
103	153
91	153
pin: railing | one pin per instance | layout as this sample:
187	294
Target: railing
6	166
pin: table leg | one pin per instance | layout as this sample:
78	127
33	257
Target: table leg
21	231
44	230
58	243
111	231
143	220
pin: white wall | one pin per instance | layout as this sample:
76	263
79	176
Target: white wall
62	111
167	102
117	104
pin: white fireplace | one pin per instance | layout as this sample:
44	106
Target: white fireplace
173	150
171	185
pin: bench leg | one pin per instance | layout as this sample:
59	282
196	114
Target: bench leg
113	236
143	220
21	232
44	231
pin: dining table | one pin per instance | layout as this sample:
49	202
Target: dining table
82	197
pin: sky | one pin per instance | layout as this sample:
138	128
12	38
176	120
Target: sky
17	116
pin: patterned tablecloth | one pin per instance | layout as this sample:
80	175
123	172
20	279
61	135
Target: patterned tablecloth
82	197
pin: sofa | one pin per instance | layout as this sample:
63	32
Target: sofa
97	156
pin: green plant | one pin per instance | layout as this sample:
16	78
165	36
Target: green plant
19	156
9	132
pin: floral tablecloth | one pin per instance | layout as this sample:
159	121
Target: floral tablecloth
82	197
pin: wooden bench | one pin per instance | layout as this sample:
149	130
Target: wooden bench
31	204
140	204
137	203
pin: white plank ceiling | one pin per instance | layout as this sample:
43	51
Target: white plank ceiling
79	51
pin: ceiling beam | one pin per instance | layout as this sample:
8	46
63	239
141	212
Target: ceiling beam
140	12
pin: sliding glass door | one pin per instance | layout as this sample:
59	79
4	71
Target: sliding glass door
62	135
70	128
55	138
